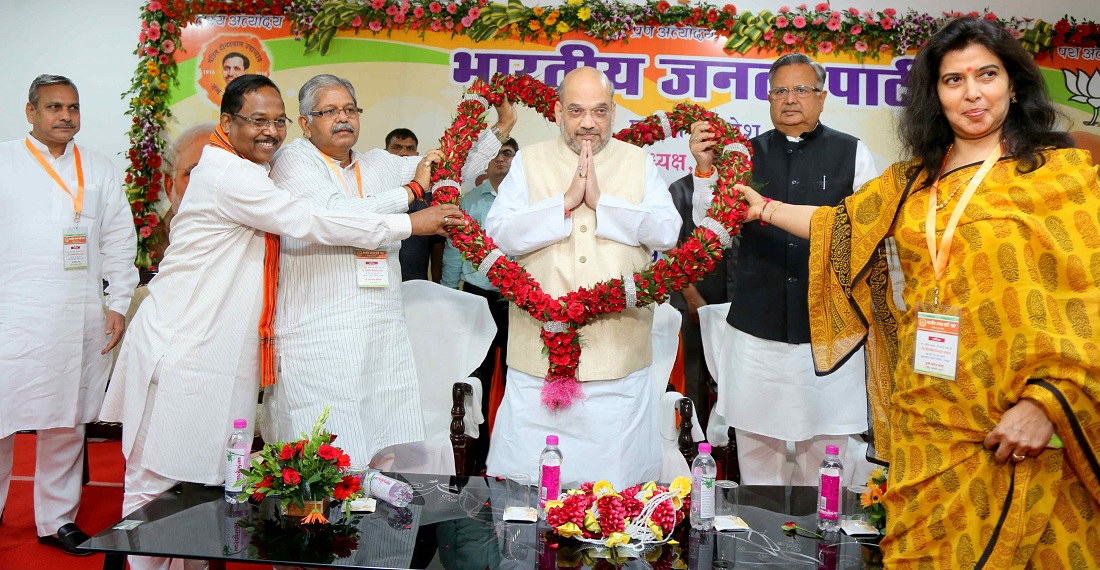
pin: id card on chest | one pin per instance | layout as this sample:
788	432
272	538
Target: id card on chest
937	343
74	248
371	268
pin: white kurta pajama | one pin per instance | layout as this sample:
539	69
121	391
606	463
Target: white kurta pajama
193	353
339	344
612	433
52	320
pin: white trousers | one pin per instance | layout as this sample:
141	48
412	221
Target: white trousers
142	485
58	474
763	459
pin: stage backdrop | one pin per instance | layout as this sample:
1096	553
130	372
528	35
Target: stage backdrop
410	62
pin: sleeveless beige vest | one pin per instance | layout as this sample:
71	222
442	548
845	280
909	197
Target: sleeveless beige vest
613	346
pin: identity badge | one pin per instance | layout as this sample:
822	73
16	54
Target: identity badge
74	253
937	346
371	269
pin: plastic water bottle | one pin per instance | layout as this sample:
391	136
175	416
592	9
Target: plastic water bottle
236	458
549	472
392	491
703	473
828	490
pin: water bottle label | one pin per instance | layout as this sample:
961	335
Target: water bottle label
706	496
550	484
236	458
829	500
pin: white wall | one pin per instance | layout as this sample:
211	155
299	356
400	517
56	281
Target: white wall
93	42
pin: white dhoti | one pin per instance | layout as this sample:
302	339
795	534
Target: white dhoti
612	433
58	470
769	392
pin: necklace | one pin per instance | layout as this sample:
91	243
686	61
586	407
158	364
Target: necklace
941	205
947	155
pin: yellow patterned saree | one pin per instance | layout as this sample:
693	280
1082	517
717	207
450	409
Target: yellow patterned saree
1025	271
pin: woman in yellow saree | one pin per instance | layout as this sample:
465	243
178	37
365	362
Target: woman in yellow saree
1013	260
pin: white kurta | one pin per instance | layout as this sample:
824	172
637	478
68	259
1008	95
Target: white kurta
52	320
337	343
200	320
618	419
771	388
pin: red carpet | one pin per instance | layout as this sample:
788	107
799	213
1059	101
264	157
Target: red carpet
100	507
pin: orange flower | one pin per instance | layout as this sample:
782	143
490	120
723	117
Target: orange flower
538	11
552	17
534	25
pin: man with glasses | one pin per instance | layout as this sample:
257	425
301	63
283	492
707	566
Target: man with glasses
190	364
770	392
577	210
456	270
339	324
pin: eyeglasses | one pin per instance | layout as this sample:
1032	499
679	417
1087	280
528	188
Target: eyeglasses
280	123
598	114
507	153
349	112
800	91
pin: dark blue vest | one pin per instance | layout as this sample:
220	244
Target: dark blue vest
772	264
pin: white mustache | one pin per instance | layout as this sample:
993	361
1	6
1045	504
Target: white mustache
342	127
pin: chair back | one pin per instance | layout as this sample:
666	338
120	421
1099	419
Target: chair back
450	332
712	323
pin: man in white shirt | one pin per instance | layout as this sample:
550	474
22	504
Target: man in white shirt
65	227
770	393
190	366
340	326
577	210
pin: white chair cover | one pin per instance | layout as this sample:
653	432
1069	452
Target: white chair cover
712	322
666	342
451	332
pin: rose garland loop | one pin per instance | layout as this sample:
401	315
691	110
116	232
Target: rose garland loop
686	264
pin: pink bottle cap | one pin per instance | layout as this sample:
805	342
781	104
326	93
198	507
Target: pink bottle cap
240	423
551	440
704	448
832	450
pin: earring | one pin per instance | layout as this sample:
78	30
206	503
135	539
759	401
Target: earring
1014	99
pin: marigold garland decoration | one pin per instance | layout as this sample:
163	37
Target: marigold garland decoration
563	315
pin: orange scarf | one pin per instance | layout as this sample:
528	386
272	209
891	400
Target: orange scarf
271	282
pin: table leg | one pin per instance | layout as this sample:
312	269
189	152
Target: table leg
114	562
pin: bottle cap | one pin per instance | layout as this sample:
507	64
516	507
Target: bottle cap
551	440
832	450
240	423
704	448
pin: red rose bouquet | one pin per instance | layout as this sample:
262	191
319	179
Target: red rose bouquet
307	470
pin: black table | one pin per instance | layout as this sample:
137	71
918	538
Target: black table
460	519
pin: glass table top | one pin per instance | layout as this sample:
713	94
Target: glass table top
455	523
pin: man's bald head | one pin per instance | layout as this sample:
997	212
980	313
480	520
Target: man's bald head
586	108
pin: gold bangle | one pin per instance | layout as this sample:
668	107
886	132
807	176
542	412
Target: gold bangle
777	205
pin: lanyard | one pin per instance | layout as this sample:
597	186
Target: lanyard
78	198
940	257
339	174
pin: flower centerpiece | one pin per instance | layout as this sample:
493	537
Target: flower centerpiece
871	499
304	473
640	515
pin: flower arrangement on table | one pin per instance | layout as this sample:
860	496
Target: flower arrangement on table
570	555
640	515
871	499
308	470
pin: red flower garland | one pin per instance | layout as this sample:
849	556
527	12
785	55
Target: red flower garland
685	264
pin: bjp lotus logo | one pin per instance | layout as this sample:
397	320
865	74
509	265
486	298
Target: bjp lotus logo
1085	89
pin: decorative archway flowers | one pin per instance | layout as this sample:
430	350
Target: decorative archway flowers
825	30
562	316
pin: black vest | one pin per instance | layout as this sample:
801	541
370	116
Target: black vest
772	264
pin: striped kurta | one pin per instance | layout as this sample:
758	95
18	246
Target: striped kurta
339	344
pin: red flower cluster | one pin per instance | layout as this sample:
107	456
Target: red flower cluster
614	510
686	265
350	485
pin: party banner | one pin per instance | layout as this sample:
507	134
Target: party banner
415	80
